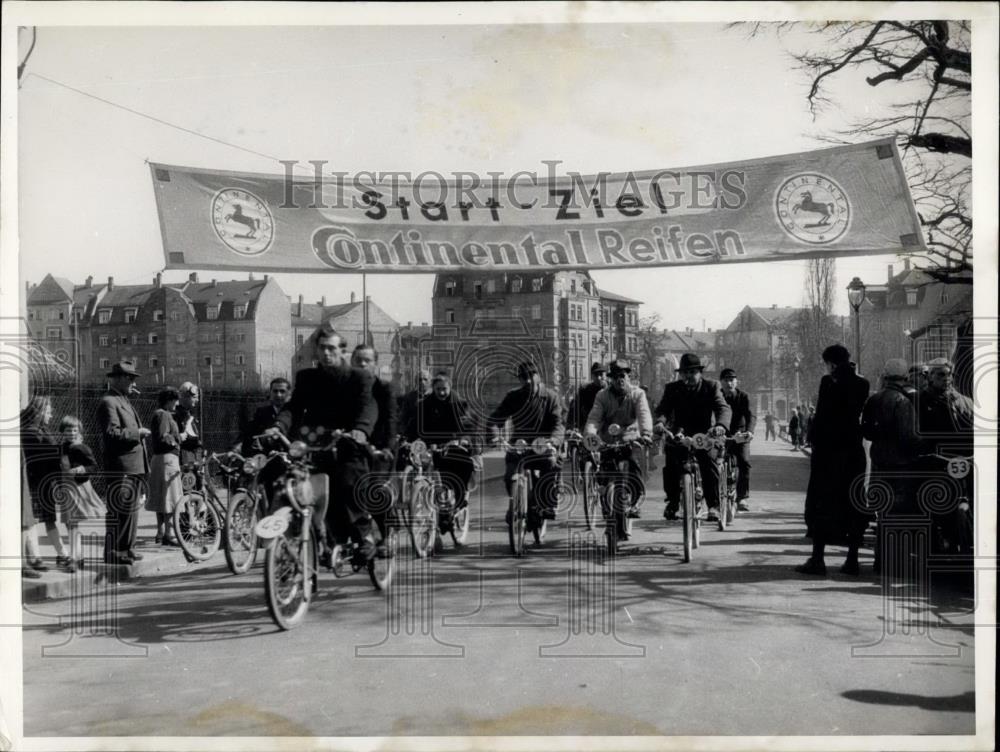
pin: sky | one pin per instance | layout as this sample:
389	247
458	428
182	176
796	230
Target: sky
612	97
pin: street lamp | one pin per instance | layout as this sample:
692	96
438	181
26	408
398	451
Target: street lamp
798	366
856	296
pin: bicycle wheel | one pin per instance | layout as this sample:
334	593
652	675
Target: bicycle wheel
286	586
423	519
381	569
687	509
591	496
518	513
197	526
460	526
240	539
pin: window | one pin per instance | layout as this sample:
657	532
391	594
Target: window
449	288
515	284
241	359
157	315
239	311
182	361
135	339
477	288
77	315
240	337
212	312
536	284
218	337
130	315
536	312
154	361
62	315
300	339
103	340
31	315
911	297
944	294
153	338
53	314
217	360
572	285
104	316
105	363
53	332
491	286
181	339
593	342
208	360
593	315
449	316
607	317
123	339
174	316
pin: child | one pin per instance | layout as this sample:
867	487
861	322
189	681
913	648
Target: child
77	463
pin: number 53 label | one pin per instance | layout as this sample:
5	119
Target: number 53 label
959	467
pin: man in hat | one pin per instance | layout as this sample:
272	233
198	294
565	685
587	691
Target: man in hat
692	404
188	423
408	403
125	461
743	421
624	404
583	401
534	412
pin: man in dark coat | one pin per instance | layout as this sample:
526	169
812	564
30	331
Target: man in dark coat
693	405
408	403
125	461
769	434
743	421
264	416
334	396
533	409
443	416
835	510
794	428
583	400
188	423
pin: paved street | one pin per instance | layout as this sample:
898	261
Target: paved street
560	642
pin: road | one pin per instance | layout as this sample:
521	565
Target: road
562	641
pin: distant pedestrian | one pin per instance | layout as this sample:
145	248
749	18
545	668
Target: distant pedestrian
809	415
78	463
838	465
793	429
125	461
769	421
165	486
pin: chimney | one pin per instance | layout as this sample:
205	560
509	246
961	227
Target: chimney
27	288
251	276
158	280
890	272
409	324
353	298
267	277
774	306
111	284
322	301
299	313
193	277
906	264
215	283
90	281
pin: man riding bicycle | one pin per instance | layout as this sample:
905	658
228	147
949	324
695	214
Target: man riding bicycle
624	404
334	396
442	416
693	405
743	421
534	412
583	401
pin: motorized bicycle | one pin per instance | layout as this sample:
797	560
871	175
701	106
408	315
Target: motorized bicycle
523	515
691	489
730	478
452	518
614	460
417	505
199	517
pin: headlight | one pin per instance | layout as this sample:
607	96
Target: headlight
520	445
249	467
418	447
259	460
424	458
297	449
614	429
539	446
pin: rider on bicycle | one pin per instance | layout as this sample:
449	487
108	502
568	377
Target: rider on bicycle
534	412
693	405
624	404
583	401
329	397
442	416
743	421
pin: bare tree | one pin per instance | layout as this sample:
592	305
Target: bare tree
931	62
648	337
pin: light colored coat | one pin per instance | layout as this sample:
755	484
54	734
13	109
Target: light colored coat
629	410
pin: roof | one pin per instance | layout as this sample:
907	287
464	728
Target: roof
234	290
314	314
82	294
127	295
606	295
51	289
777	315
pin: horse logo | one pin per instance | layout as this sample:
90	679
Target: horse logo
812	208
242	221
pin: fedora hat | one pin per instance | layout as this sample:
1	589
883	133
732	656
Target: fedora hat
598	368
689	360
619	367
124	368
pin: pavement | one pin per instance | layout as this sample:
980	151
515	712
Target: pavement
562	641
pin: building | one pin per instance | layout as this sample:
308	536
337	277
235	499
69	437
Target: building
225	333
409	353
348	320
662	351
912	316
761	345
484	324
58	315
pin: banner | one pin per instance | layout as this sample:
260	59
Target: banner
830	202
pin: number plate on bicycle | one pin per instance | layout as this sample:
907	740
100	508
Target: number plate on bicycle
959	467
188	481
273	525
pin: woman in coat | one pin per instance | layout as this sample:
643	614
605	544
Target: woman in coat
835	512
165	487
41	458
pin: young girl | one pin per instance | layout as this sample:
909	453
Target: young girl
78	463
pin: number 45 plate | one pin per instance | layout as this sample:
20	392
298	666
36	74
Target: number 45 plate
273	525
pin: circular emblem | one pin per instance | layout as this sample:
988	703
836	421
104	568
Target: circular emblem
812	208
188	481
242	221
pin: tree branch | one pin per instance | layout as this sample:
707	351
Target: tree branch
942	143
